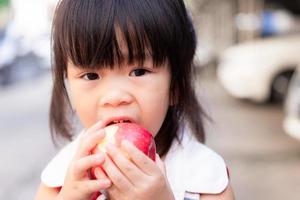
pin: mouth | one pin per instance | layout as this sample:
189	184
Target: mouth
118	120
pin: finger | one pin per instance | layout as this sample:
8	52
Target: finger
113	192
91	186
99	173
97	126
89	142
82	165
142	161
115	175
127	167
94	128
160	164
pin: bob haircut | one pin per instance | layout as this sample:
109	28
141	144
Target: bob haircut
85	33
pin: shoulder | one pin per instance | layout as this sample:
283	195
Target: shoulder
201	169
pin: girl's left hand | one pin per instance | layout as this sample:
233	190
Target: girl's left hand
135	176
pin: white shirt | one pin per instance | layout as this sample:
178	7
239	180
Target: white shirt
191	167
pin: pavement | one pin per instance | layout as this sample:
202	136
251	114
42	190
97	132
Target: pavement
263	161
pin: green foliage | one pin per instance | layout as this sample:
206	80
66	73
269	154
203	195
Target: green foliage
4	3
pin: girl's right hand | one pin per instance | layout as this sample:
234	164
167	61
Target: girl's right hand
78	185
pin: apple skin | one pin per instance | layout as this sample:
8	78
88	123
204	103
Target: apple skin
137	135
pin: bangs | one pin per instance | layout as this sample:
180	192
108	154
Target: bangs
102	33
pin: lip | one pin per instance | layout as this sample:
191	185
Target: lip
118	118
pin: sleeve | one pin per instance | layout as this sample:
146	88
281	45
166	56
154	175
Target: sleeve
207	172
193	169
54	173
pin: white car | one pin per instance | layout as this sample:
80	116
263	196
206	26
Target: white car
291	122
260	70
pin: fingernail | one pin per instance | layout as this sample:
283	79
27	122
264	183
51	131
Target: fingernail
99	123
100	157
97	172
126	144
106	182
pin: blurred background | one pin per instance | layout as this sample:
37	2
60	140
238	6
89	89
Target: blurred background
248	81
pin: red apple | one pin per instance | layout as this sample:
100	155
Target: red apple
137	135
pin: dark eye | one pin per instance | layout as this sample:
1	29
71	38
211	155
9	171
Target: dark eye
91	76
138	72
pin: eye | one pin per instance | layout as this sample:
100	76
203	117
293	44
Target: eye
91	76
139	72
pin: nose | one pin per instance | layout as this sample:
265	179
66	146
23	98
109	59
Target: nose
115	97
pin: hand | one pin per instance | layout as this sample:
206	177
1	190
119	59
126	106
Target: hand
135	176
78	185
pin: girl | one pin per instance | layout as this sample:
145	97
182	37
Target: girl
128	60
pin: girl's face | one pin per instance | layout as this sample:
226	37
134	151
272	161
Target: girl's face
132	93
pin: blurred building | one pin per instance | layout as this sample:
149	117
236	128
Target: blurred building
221	24
214	24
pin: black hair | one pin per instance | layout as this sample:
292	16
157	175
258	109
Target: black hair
85	33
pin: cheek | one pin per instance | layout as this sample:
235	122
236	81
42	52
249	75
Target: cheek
158	120
84	108
156	112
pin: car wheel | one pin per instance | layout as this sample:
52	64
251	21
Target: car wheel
279	86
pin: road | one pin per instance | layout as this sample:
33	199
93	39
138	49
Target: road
263	161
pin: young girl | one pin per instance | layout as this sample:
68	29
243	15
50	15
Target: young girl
128	60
